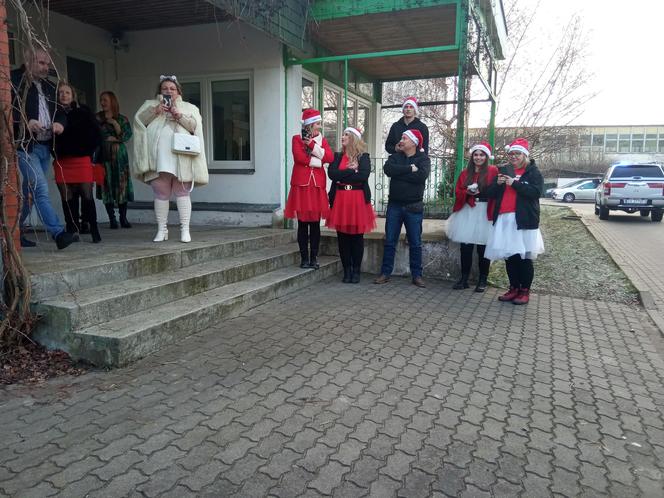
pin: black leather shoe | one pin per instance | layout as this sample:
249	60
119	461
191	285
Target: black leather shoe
27	243
481	284
304	264
347	276
63	239
314	263
462	283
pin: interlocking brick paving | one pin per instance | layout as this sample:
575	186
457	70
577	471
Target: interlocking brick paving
361	390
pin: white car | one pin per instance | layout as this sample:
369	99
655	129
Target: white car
632	188
579	190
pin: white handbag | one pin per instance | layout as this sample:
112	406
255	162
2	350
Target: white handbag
187	144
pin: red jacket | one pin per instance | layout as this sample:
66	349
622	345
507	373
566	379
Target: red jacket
304	155
461	192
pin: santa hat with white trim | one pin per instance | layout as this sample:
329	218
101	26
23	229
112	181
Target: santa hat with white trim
416	137
410	100
484	147
310	116
519	145
354	131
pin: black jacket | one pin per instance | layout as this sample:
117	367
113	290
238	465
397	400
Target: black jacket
397	129
407	187
26	96
528	191
82	133
349	176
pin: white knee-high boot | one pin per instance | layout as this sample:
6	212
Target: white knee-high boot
161	214
184	208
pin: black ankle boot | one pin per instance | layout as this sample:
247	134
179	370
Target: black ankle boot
462	283
347	275
94	231
124	222
355	275
70	210
113	223
313	261
304	261
90	216
481	284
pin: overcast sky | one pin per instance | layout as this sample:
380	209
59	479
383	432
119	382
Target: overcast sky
625	46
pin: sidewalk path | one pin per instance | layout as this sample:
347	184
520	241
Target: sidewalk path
636	244
361	390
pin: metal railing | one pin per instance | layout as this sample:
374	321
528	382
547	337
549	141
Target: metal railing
438	193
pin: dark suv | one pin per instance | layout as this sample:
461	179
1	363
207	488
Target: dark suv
631	188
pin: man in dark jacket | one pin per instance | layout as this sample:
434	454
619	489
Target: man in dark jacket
408	170
34	127
409	121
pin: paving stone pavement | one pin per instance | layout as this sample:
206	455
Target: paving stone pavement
361	390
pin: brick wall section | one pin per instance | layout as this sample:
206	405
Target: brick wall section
11	188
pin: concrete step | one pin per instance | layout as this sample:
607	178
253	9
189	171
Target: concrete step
128	338
84	308
150	259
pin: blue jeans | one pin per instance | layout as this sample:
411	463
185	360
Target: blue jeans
33	167
396	216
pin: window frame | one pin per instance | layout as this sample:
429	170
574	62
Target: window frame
205	81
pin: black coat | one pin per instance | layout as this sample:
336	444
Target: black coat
528	191
82	135
407	187
349	176
26	96
397	129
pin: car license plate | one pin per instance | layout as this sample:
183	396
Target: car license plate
634	201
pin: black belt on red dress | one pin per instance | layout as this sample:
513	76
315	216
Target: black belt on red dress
350	186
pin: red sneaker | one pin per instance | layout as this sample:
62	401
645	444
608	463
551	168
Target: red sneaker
523	297
510	295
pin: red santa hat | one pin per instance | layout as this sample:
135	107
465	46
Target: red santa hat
519	145
310	116
354	131
484	147
416	137
410	100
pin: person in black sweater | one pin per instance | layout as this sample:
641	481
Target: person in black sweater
409	121
408	170
73	161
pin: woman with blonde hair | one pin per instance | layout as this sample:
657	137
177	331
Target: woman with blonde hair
156	161
351	214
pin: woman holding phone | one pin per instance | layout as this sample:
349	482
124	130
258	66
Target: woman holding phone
307	198
515	235
470	222
156	162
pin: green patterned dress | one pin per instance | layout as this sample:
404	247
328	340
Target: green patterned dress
117	187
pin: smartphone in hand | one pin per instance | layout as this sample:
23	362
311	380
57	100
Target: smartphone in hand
167	100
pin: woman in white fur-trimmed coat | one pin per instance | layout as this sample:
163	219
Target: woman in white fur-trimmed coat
155	163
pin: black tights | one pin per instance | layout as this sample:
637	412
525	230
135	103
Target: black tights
520	271
467	259
72	194
351	249
308	233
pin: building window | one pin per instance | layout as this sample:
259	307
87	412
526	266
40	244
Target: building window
331	116
661	143
584	141
308	94
637	142
598	140
226	110
611	142
651	143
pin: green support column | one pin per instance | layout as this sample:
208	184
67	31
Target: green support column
462	31
492	125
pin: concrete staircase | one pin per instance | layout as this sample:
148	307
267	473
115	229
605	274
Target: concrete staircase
111	313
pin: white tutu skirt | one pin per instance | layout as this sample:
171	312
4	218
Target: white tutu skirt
505	240
469	225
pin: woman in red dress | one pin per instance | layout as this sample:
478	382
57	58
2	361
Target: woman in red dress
73	161
307	199
350	197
